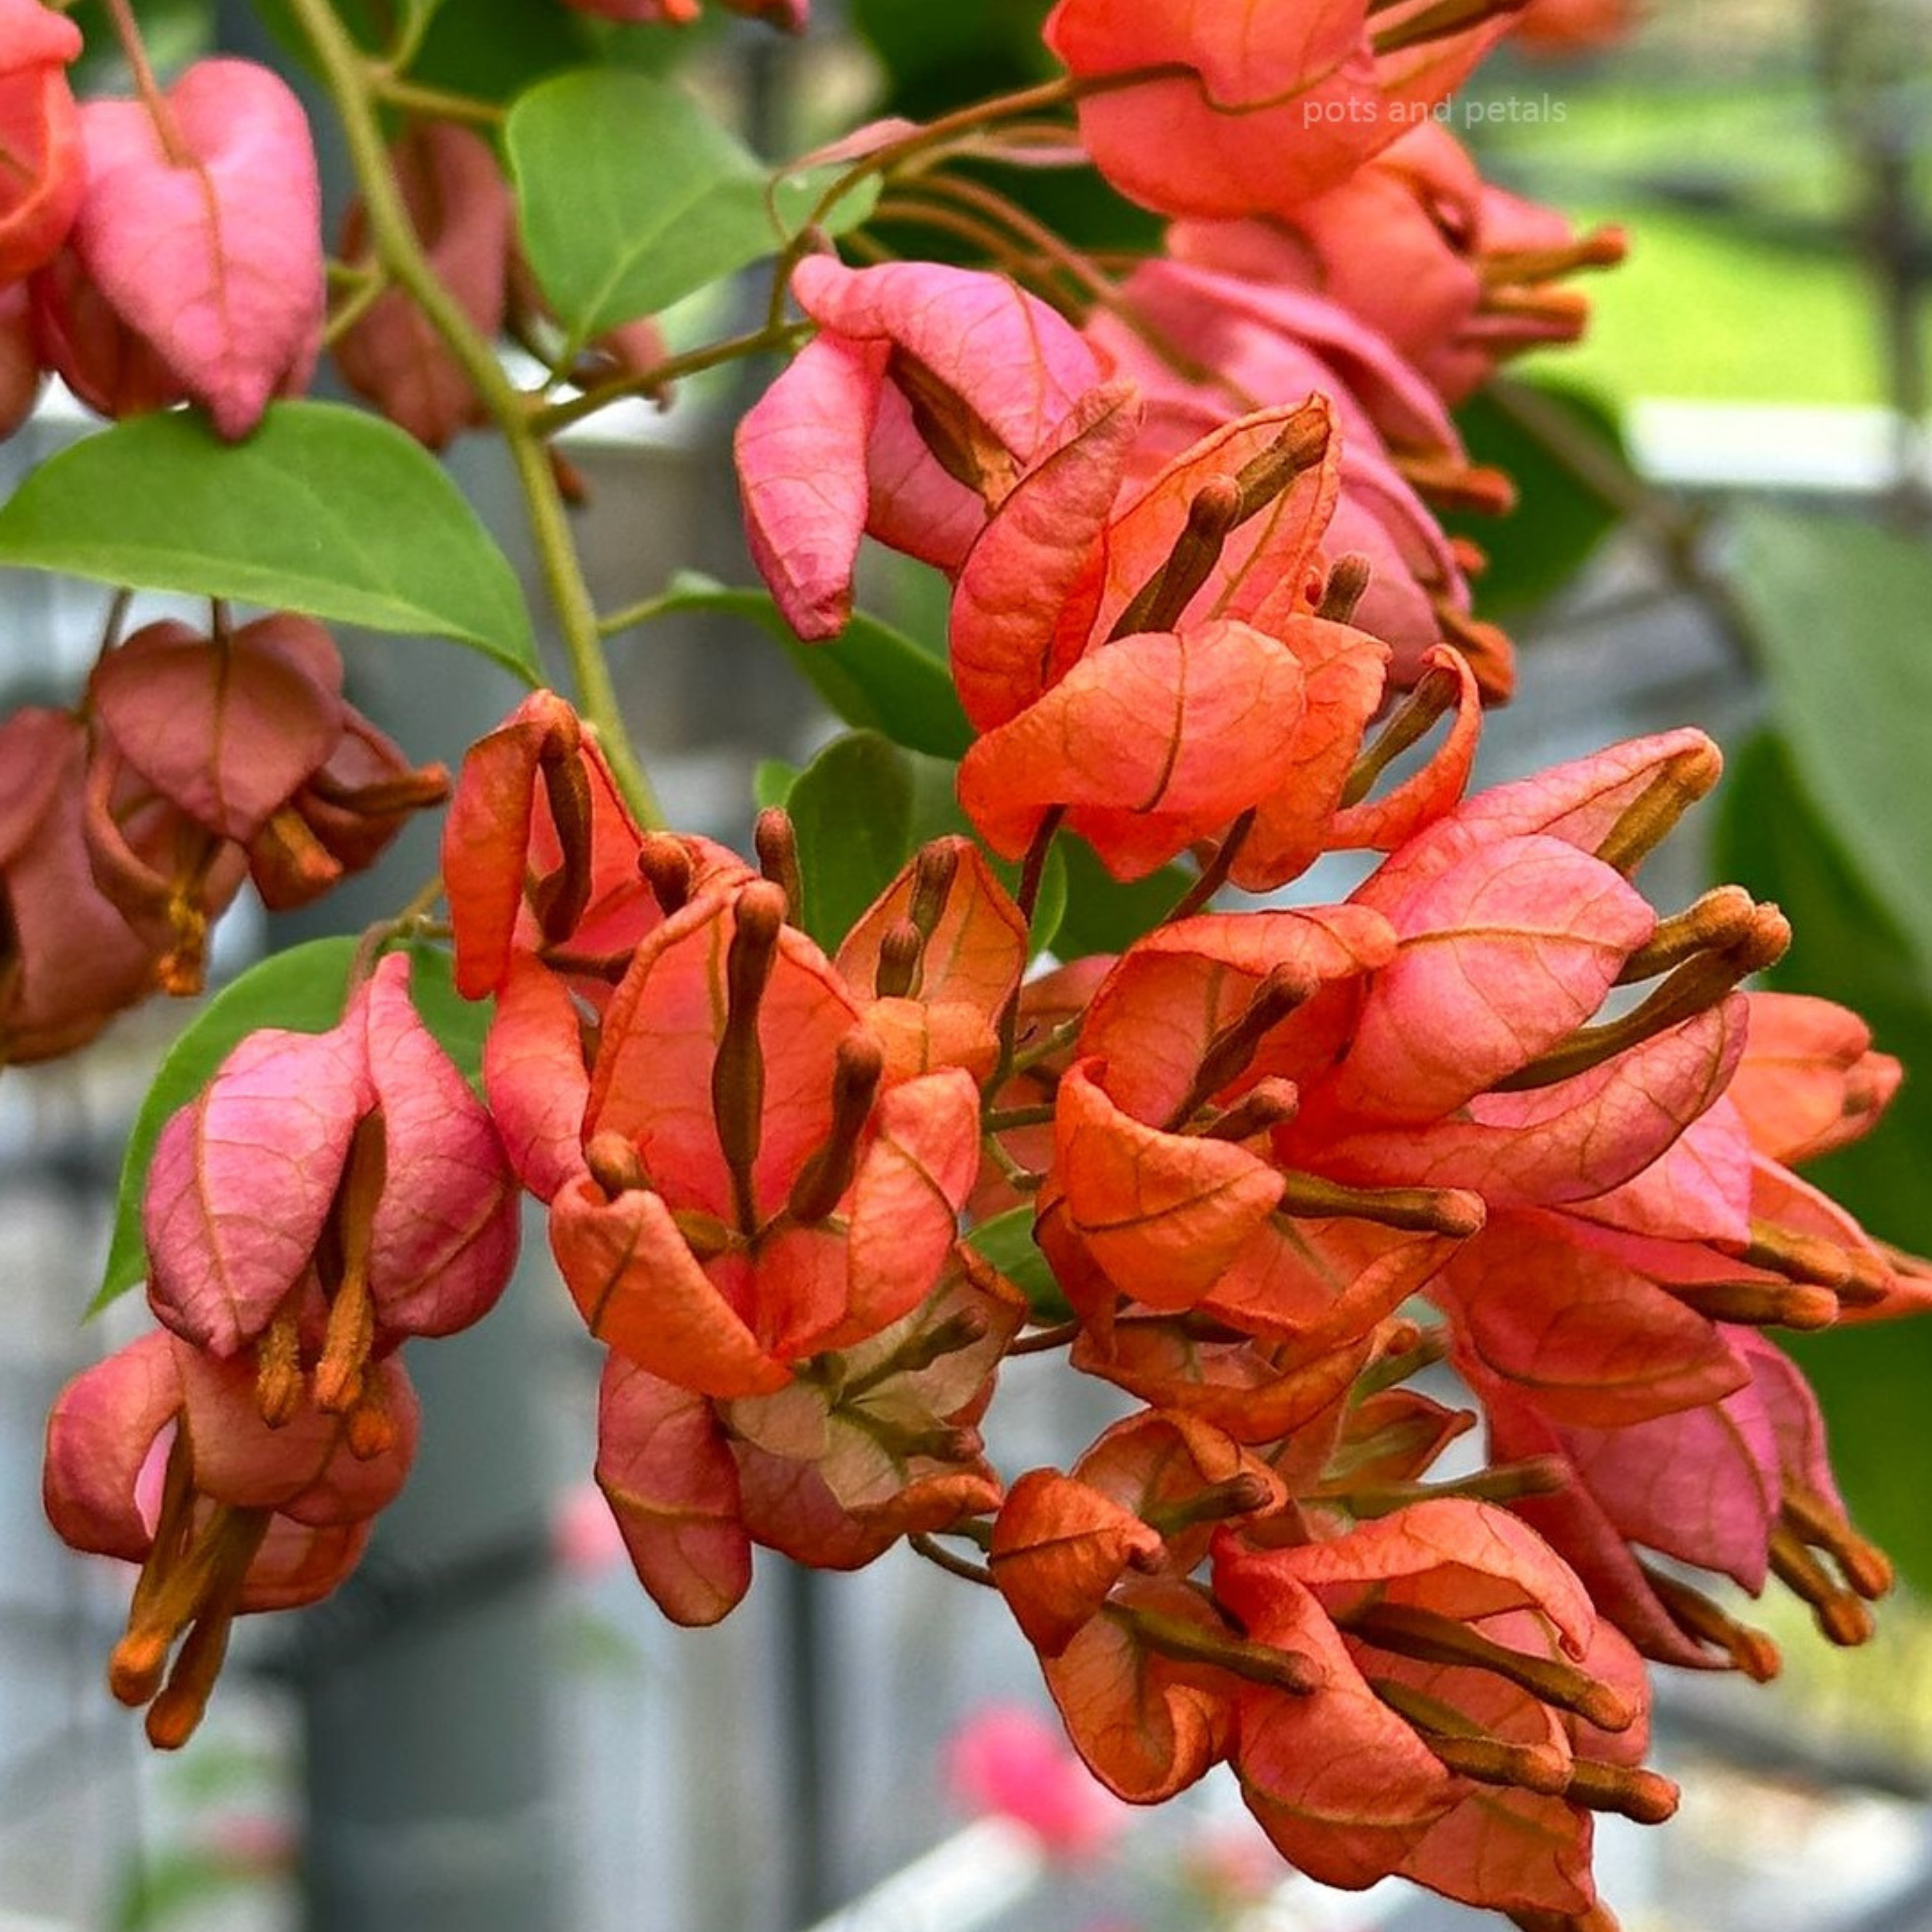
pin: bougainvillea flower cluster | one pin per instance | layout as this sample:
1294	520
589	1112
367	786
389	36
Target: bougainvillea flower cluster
274	1406
198	761
1496	1118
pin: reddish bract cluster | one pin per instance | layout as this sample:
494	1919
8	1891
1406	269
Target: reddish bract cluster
275	1411
1495	1110
155	250
754	1158
194	763
1186	602
1261	108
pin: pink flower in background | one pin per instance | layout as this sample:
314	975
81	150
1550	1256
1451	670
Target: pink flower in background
584	1537
1009	1760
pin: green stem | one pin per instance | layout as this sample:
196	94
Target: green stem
962	123
361	299
436	103
134	51
646	610
345	74
760	341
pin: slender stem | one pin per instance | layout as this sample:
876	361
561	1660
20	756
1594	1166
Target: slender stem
937	1553
996	207
570	596
408	920
1201	894
1032	873
924	211
118	605
1021	1180
546	422
434	103
1044	1047
344	73
1045	1340
964	122
363	295
134	49
646	610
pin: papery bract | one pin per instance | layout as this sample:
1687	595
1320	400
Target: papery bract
1157	740
68	960
228	728
1280	102
41	183
19	362
246	1518
1809	1080
1501	957
1456	274
909	415
204	235
368	1127
79	336
667	1474
752	1195
540	855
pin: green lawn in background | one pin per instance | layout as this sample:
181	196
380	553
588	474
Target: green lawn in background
1704	308
1697	311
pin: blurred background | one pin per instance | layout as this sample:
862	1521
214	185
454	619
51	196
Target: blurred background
1725	522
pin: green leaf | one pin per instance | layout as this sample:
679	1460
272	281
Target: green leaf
874	678
852	808
1104	915
1006	1241
302	990
1558	521
324	509
631	197
772	781
488	48
1871	1378
1838	610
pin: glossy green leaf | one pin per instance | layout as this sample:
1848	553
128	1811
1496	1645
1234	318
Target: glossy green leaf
301	990
874	678
1006	1241
1104	915
1558	520
852	808
861	809
1871	1379
1837	610
489	50
772	781
324	509
631	196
